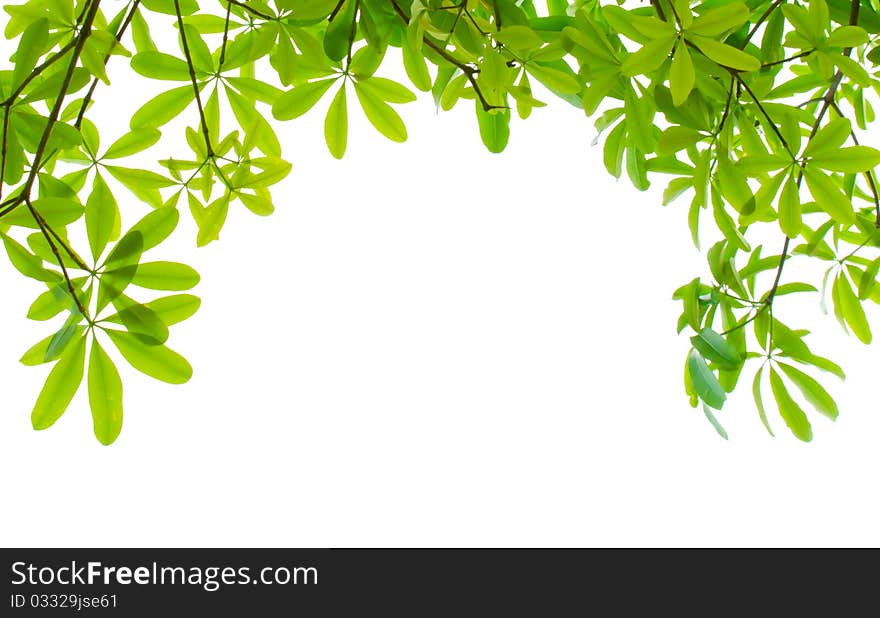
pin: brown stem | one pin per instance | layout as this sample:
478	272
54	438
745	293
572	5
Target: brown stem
192	76
91	92
469	71
44	228
764	16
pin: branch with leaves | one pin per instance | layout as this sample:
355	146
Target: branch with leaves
706	95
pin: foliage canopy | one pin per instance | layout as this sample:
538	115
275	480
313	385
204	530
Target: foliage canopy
753	111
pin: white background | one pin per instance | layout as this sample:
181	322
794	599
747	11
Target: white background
431	345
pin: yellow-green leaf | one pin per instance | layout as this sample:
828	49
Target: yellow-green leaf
849	160
812	391
60	386
300	99
381	115
829	196
105	395
156	361
789	410
681	75
725	55
790	209
336	124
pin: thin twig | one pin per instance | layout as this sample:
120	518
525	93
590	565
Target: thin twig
225	34
91	92
192	76
764	17
252	10
469	71
44	228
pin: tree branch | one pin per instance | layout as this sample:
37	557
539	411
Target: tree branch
469	71
44	228
87	100
90	12
192	76
251	10
764	17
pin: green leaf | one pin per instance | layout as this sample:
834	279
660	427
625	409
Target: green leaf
869	279
31	45
311	11
387	90
127	251
105	395
794	287
211	220
163	108
847	36
254	90
647	59
336	39
759	401
300	99
381	115
639	119
257	204
612	151
102	216
336	124
681	75
140	320
851	309
676	138
40	353
851	69
50	303
705	383
717	21
133	142
811	390
60	386
555	80
829	196
416	68
175	308
494	128
714	421
725	55
156	361
156	226
518	37
58	212
366	61
715	348
790	209
169	7
789	410
198	49
829	138
139	179
274	169
27	263
849	160
170	276
157	65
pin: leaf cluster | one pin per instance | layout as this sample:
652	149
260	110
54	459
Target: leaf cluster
755	113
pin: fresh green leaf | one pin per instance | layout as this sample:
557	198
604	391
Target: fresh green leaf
105	395
789	410
60	386
156	361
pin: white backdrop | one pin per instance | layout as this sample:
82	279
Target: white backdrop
431	345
